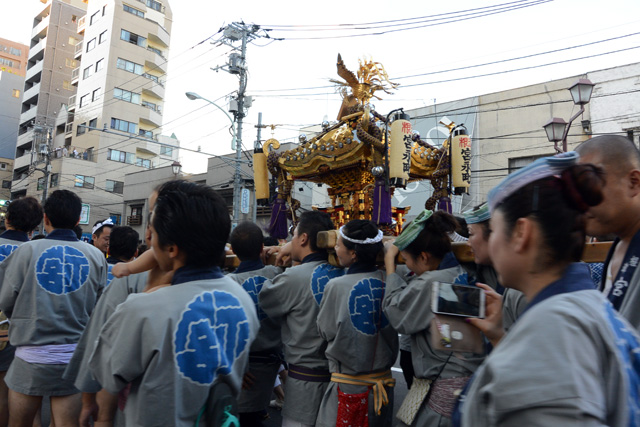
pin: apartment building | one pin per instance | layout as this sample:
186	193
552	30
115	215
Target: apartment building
13	60
47	83
115	120
13	57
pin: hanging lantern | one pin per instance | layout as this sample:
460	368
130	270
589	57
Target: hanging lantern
400	150
260	176
460	160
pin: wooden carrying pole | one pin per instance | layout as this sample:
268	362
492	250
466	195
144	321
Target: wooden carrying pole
593	252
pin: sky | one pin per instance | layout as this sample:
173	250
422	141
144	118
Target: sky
443	44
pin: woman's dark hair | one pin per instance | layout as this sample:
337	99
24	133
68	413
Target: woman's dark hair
361	229
434	237
194	218
557	205
25	214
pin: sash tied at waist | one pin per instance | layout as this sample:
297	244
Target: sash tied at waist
376	380
46	354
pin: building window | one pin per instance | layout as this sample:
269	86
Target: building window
154	5
103	37
73	41
84	181
3	166
121	156
95	95
54	180
91	44
66	84
7	62
146	133
129	66
6	184
99	65
125	95
93	123
94	18
81	129
145	163
133	38
165	150
123	125
74	18
15	93
87	72
41	183
71	63
133	11
84	100
114	186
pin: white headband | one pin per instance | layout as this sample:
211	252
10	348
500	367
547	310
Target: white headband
367	241
97	227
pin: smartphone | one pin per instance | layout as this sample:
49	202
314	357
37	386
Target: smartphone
457	300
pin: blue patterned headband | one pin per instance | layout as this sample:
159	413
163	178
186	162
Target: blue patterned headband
475	216
541	168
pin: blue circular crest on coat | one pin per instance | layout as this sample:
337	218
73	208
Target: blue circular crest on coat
110	276
253	285
319	278
462	279
365	306
212	332
6	250
62	269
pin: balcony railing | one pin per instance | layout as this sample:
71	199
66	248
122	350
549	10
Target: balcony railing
158	51
81	24
154	78
78	49
134	220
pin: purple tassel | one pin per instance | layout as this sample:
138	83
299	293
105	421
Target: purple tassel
381	204
278	224
444	204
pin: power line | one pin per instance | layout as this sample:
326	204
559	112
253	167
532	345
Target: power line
447	20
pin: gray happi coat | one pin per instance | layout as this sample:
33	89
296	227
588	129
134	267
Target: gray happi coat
115	294
9	242
267	342
49	288
408	308
293	299
360	340
171	345
565	362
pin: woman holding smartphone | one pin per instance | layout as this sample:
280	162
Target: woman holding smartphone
425	246
570	359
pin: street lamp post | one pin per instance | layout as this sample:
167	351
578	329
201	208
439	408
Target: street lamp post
176	167
234	144
557	129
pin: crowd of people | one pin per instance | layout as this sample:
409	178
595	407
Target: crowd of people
114	337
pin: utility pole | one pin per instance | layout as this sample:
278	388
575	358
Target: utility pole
258	144
238	31
43	154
